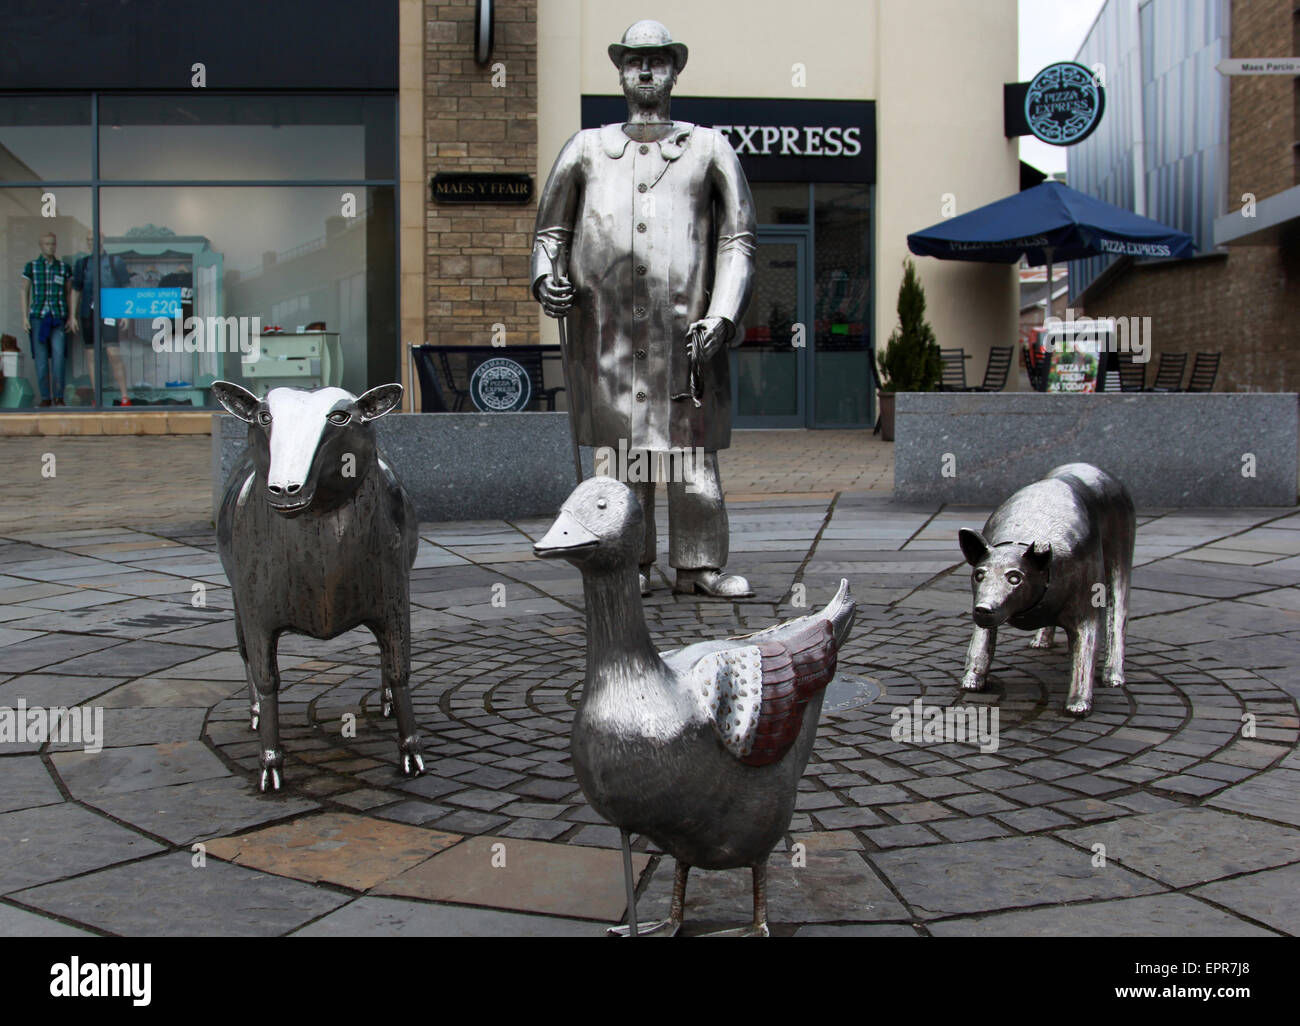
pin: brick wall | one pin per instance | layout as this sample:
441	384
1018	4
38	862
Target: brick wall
1245	303
476	264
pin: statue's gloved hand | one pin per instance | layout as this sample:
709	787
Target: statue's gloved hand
713	333
555	295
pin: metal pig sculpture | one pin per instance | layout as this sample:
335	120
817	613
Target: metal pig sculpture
1058	553
317	536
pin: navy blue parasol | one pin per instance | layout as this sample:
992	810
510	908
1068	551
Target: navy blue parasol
1047	223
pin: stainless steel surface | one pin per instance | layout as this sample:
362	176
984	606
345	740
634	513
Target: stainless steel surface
1058	553
700	749
317	536
645	241
653	225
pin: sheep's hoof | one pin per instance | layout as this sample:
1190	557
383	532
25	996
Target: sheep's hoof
972	683
1078	708
412	763
272	770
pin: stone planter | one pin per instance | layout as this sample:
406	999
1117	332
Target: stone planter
455	466
1170	449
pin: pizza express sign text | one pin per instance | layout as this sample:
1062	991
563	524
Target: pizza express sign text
776	140
1063	105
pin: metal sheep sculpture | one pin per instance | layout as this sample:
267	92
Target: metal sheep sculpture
317	536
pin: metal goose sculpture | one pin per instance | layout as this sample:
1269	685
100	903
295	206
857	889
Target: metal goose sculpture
700	749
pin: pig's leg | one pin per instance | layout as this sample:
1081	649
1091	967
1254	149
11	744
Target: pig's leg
979	657
1119	568
265	673
1083	656
395	653
254	706
1045	638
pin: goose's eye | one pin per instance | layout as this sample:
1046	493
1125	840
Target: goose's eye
602	504
339	417
1014	577
264	417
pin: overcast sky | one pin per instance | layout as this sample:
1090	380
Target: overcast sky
1050	31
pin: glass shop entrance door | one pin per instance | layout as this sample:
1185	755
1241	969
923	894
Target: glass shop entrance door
769	370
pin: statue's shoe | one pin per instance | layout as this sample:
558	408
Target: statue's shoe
714	583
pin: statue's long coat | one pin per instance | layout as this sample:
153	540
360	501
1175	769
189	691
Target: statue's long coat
653	236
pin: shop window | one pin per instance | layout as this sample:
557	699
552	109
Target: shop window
54	366
45	139
261	272
250	138
780	203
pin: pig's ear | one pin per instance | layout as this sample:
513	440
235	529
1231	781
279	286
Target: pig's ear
1038	555
379	400
973	546
237	400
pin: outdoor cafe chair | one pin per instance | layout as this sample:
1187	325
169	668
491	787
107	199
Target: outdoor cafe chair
1132	375
431	398
1169	373
995	374
1204	372
954	370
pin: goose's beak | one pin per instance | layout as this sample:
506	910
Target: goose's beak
565	536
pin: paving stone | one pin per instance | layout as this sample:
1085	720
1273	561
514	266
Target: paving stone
167	896
26	783
137	768
1271	897
1159	915
54	841
17	922
1190	845
549	878
188	812
981	876
834	886
357	852
1273	795
392	917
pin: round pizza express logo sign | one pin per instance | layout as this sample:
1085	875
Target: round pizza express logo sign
500	385
1064	103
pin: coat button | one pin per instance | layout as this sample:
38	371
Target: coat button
642	187
640	269
639	311
640	354
643	148
641	227
640	397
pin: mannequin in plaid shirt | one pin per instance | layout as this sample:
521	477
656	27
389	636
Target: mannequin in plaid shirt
47	309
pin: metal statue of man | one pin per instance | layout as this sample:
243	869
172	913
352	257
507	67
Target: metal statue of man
646	235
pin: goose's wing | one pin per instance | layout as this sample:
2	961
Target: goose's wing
755	689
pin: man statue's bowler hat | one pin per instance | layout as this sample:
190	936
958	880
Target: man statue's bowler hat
648	35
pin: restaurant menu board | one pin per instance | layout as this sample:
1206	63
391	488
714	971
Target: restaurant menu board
1074	365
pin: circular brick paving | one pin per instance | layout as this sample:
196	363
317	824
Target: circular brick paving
494	701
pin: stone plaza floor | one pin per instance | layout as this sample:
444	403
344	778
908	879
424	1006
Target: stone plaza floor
1189	777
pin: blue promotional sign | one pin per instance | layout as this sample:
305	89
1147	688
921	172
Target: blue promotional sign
1064	103
140	302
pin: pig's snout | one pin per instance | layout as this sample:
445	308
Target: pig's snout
985	615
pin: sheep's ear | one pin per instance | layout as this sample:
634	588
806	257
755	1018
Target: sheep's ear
237	400
379	400
973	546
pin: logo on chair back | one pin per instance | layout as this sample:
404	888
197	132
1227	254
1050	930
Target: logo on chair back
500	385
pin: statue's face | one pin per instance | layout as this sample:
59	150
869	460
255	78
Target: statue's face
648	77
